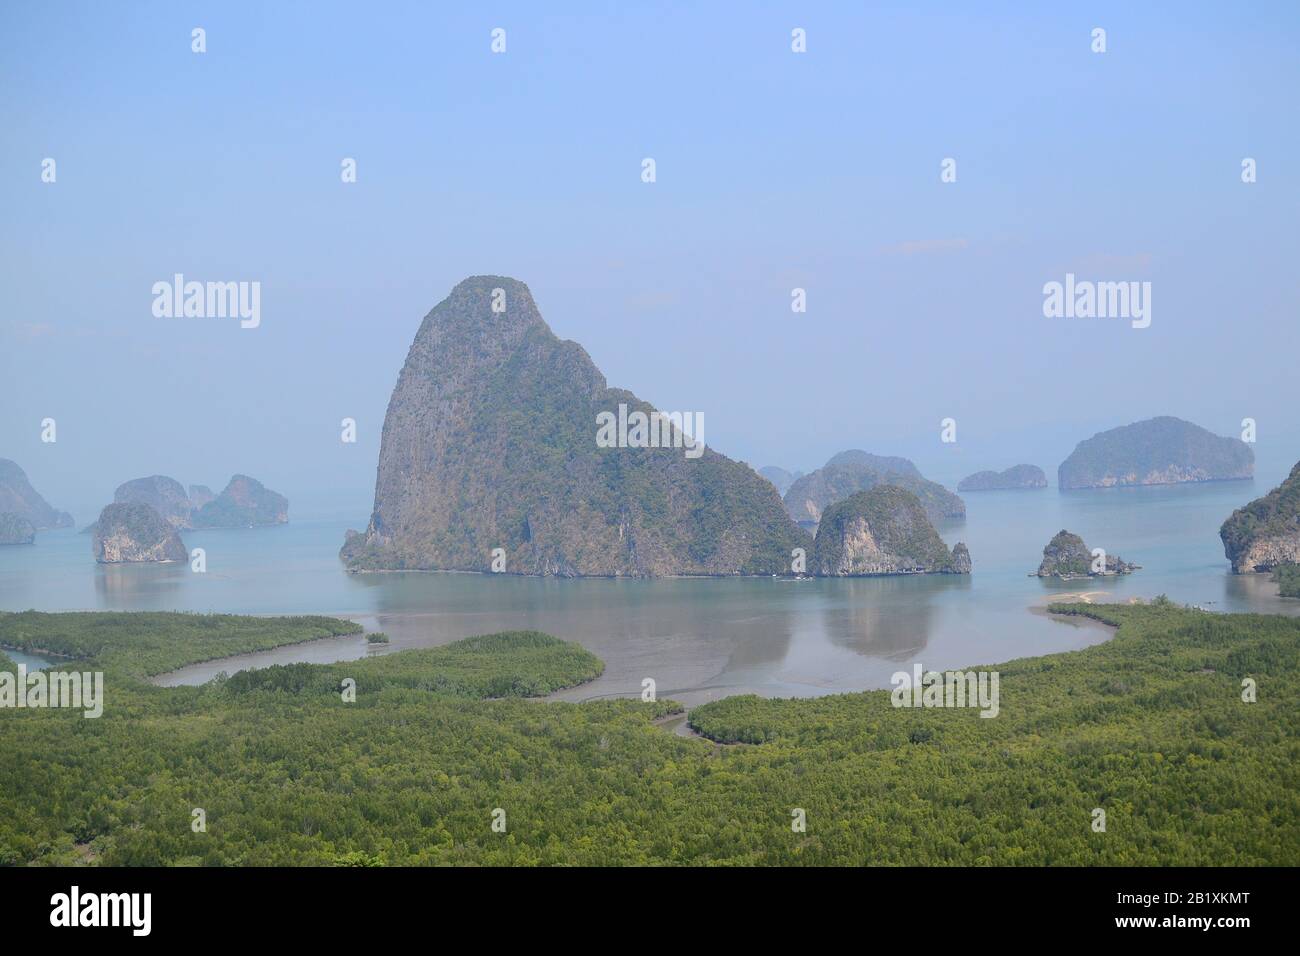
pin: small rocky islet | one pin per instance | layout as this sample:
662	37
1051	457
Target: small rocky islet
1067	557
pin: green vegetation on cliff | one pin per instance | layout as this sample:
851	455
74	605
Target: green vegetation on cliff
1149	726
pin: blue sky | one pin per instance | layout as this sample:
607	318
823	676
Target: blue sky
774	170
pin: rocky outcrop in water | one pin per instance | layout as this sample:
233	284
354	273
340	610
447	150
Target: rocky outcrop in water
164	495
244	503
18	497
1265	533
15	529
1159	451
1066	556
132	532
1015	478
852	471
884	530
490	442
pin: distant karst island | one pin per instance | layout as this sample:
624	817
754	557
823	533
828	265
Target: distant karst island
852	471
1015	478
141	524
1265	534
23	511
15	529
1158	451
1067	557
780	477
244	503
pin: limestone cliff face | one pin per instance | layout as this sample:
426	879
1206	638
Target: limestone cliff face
490	442
1066	556
164	495
15	529
853	471
18	497
1015	478
1266	532
134	532
244	503
1158	451
882	531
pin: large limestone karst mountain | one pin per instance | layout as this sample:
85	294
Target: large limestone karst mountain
490	443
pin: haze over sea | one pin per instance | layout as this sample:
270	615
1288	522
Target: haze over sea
698	638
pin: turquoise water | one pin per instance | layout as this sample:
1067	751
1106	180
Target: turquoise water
698	639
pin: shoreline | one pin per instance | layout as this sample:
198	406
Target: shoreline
352	643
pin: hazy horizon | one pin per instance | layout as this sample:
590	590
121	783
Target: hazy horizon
774	170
